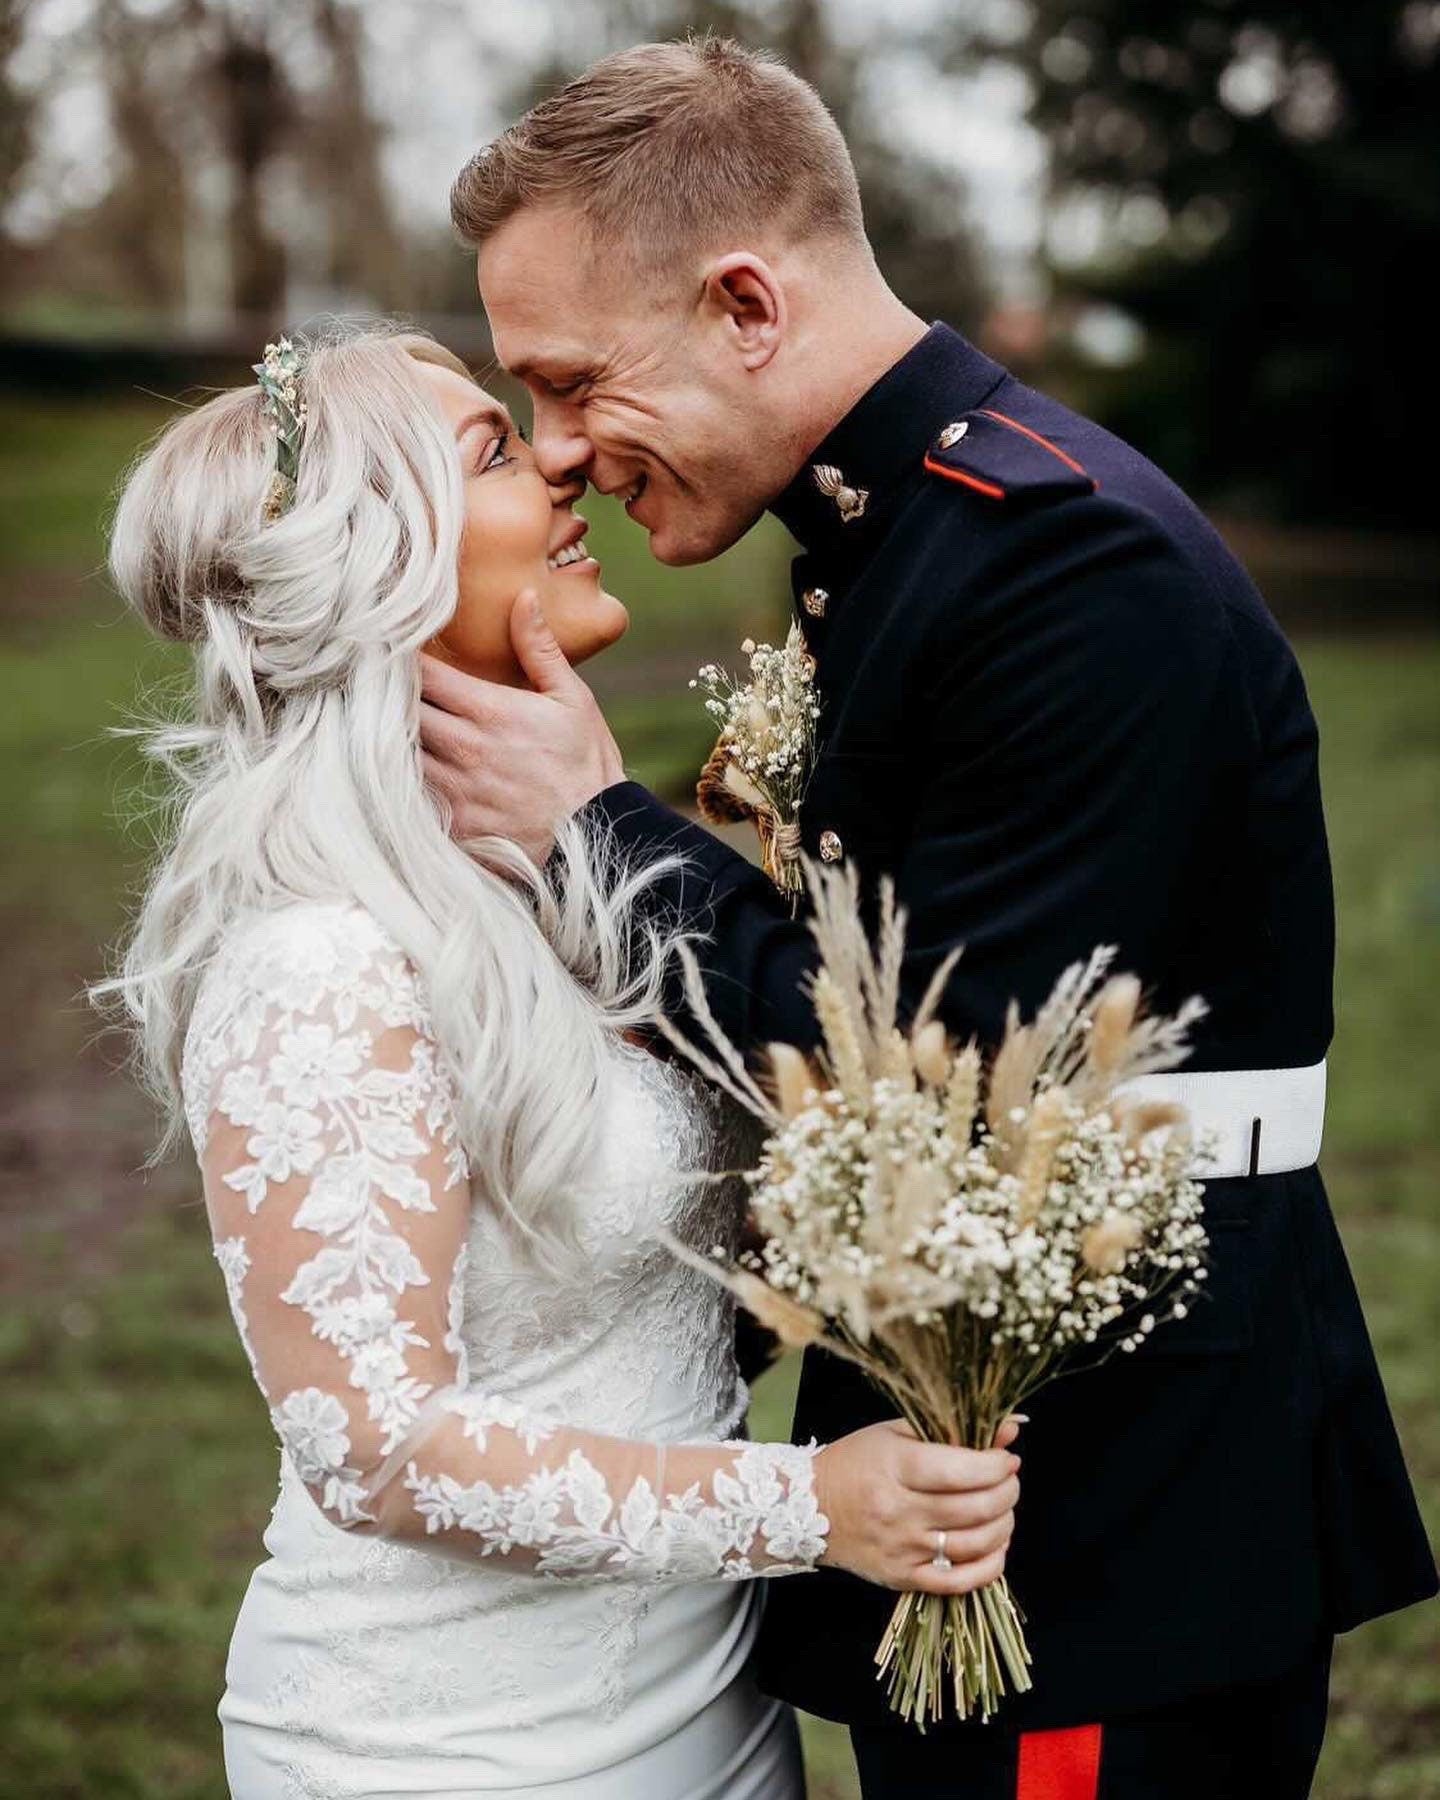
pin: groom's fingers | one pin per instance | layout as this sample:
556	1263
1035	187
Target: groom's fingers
539	655
452	691
455	743
441	778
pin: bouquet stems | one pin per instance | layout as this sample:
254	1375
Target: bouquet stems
967	1649
973	1644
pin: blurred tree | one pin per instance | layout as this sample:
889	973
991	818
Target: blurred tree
144	217
253	110
244	70
17	114
915	206
1263	177
340	150
289	80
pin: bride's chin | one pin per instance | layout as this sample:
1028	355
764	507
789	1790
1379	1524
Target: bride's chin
589	634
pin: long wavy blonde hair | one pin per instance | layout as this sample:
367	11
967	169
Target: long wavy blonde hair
296	774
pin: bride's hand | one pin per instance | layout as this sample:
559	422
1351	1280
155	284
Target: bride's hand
888	1496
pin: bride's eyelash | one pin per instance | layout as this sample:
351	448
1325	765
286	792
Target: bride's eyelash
497	457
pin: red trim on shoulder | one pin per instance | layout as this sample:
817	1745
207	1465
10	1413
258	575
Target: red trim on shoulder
1060	1765
1035	437
988	488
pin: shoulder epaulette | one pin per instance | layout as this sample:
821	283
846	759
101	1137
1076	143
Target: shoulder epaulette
995	455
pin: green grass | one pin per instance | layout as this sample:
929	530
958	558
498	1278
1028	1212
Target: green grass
138	1465
59	461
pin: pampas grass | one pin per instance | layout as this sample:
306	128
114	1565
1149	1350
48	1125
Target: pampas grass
962	1232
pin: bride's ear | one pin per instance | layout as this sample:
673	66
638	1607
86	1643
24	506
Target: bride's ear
745	294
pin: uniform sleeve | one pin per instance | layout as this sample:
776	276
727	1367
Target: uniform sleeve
340	1203
1075	725
754	956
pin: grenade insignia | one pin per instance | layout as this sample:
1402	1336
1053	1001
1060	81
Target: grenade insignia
850	500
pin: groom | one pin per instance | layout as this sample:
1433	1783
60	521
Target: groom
1058	712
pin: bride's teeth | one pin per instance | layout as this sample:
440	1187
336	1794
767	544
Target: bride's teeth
572	553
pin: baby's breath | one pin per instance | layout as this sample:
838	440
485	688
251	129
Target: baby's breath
824	1194
766	747
967	1233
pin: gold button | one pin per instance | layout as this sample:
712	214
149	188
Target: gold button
831	849
952	435
815	600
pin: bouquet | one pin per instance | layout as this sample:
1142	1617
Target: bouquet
761	762
963	1229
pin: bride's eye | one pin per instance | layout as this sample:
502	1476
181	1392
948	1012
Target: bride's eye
496	458
493	456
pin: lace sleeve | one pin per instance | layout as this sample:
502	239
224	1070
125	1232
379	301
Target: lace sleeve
339	1200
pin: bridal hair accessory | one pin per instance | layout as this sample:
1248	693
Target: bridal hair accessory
279	377
963	1227
760	766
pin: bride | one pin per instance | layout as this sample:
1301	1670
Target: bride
518	1531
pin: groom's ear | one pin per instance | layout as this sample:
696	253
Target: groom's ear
745	296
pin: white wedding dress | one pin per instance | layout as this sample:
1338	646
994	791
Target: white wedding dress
512	1546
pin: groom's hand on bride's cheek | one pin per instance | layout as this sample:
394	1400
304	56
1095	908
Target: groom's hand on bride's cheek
515	762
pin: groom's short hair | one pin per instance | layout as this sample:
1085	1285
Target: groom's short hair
666	146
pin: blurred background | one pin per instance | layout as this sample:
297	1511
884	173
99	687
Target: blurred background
1207	222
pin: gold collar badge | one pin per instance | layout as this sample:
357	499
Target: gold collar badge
850	500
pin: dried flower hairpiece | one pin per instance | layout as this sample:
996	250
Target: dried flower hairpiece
279	377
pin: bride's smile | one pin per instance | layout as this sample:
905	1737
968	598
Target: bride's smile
519	532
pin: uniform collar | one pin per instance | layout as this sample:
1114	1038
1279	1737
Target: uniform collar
879	445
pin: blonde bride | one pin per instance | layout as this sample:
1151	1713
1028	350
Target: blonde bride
519	1532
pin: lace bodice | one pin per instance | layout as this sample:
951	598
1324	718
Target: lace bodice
428	1384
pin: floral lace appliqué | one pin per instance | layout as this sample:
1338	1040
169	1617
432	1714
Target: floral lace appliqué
476	1426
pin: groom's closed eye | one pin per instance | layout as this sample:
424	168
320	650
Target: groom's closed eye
563	384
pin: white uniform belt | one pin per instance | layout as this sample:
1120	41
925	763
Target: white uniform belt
1259	1121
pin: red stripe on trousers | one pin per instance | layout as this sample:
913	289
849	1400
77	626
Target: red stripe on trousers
1059	1765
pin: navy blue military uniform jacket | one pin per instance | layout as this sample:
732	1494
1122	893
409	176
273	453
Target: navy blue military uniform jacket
1056	709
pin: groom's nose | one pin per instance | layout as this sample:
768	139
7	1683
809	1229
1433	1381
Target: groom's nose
563	450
